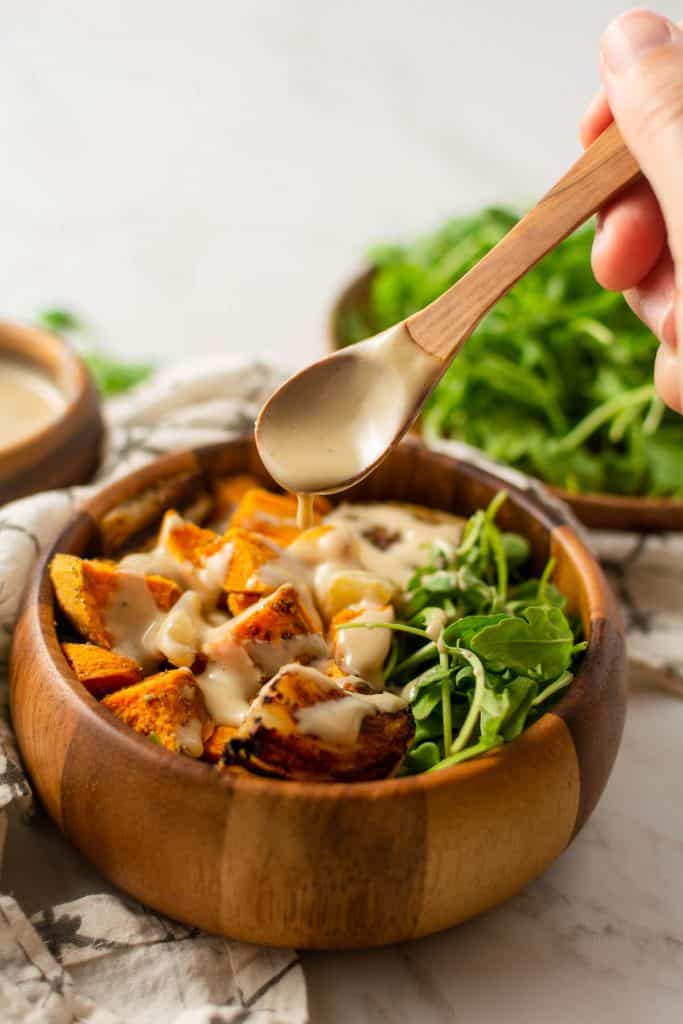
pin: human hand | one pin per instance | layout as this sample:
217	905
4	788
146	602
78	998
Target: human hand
638	246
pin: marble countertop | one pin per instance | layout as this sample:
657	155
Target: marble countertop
202	177
598	938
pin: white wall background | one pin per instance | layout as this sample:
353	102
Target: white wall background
196	176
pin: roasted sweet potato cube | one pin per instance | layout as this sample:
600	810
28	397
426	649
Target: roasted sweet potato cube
84	589
183	540
304	725
249	553
229	490
273	515
280	628
101	671
169	707
279	616
215	745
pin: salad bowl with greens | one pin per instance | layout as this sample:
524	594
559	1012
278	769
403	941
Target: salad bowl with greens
509	650
556	381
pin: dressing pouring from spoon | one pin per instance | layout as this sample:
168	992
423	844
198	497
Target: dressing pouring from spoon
331	424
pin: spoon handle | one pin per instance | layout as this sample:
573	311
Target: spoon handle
604	169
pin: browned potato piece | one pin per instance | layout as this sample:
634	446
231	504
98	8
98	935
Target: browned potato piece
133	517
169	707
280	628
101	671
84	589
303	725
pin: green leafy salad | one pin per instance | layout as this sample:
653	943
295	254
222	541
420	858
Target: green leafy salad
480	650
556	380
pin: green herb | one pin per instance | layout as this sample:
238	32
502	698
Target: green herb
111	376
504	651
556	380
154	738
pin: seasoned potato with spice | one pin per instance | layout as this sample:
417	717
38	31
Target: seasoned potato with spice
277	629
101	671
304	725
169	707
85	590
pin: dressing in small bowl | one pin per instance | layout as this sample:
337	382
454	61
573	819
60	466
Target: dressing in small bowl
50	421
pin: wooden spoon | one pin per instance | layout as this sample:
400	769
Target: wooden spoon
329	425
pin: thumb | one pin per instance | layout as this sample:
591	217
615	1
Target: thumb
642	67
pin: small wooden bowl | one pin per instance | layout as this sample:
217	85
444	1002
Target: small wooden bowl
601	511
66	451
312	865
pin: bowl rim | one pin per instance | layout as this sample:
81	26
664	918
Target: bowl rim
22	342
592	500
39	603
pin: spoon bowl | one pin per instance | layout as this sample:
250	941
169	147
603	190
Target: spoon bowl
329	425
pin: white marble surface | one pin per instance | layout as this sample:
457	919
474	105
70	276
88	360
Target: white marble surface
200	177
599	938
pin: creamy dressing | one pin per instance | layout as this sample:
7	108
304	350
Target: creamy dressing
401	535
132	619
329	425
206	579
304	511
188	738
230	687
362	652
340	718
180	633
29	401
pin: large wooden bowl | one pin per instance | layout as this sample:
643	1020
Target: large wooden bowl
66	451
599	511
310	864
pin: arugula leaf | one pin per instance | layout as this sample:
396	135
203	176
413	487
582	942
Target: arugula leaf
538	643
502	655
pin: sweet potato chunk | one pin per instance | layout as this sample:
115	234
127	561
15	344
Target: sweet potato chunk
101	671
273	515
215	745
229	490
183	540
84	589
249	553
169	707
280	628
303	725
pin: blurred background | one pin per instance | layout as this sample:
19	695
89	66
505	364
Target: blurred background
195	177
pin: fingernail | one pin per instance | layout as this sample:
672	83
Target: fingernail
631	35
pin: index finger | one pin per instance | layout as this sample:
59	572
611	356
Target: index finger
596	118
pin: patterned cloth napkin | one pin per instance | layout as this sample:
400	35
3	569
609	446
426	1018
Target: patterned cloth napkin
71	947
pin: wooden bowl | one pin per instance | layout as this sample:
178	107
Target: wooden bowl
600	511
312	865
66	451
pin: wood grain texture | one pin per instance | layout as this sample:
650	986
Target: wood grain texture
606	167
304	864
598	511
66	451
